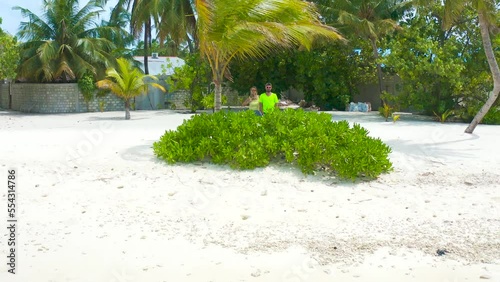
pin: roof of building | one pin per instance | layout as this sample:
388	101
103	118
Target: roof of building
155	64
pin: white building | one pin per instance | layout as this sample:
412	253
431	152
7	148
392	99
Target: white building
157	63
159	67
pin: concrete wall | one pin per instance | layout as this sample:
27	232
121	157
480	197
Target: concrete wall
4	95
153	100
370	92
53	98
66	97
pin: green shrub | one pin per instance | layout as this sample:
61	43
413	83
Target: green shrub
246	141
492	117
208	100
471	108
87	86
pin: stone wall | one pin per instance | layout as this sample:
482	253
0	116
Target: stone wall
56	98
66	97
110	102
175	100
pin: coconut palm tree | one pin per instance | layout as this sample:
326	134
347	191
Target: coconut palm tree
486	12
119	18
62	44
140	21
173	19
176	21
229	29
127	82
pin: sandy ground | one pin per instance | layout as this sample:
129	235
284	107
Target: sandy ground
94	204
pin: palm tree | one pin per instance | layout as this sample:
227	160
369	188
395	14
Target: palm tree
140	21
369	19
229	29
486	11
127	82
62	44
176	21
119	18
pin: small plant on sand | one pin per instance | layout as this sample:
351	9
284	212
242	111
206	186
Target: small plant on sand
102	106
309	140
386	111
444	116
395	118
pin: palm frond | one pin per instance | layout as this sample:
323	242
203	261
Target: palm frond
66	41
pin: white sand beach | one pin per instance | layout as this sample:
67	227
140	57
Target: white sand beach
94	204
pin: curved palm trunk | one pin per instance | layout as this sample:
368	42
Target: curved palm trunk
373	42
127	108
495	73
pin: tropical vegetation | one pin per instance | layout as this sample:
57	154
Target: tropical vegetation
230	138
63	44
444	52
367	19
9	55
229	29
127	82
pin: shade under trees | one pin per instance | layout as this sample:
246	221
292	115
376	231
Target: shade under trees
229	29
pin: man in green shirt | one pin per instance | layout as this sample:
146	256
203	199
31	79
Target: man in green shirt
268	101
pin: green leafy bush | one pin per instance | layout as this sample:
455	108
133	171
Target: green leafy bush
492	117
208	100
472	107
246	141
87	86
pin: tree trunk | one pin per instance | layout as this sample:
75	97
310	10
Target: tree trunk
147	28
190	45
127	108
495	73
10	93
218	94
373	41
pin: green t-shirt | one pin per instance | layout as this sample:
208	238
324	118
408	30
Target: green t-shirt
268	102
